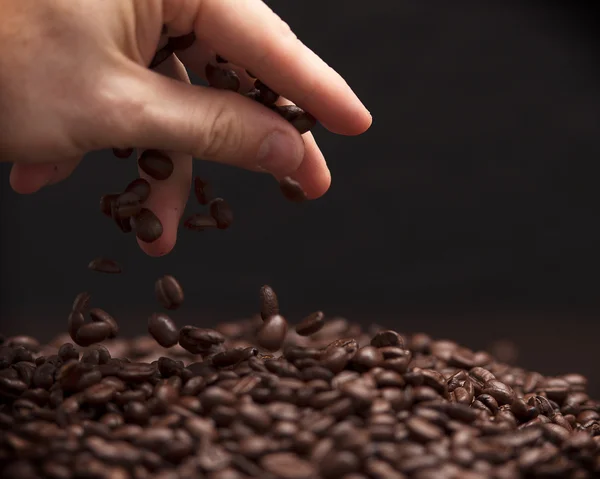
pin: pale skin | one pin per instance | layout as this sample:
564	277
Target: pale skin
74	78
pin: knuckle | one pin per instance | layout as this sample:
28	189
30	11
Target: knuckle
224	134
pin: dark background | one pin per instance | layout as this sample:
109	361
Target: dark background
469	211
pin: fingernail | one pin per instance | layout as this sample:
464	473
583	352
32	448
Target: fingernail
280	153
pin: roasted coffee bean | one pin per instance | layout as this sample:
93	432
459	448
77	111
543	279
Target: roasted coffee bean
139	187
198	340
387	338
100	316
284	465
269	305
221	212
292	190
126	205
91	333
222	79
200	222
265	95
169	292
106	203
299	119
311	324
104	265
122	152
272	333
182	42
75	321
156	164
147	226
203	191
162	328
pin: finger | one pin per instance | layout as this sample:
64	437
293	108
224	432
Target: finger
248	33
168	197
207	123
30	178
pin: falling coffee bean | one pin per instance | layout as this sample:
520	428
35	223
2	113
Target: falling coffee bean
105	265
127	205
169	292
156	164
140	187
221	212
203	191
106	203
200	222
122	152
272	333
269	304
182	42
292	190
100	316
311	324
162	328
91	333
298	118
147	226
222	79
81	302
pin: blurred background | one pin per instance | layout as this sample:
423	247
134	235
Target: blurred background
469	211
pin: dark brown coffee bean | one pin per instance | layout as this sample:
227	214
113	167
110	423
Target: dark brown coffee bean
81	303
126	205
292	190
499	391
91	333
422	430
311	324
156	164
147	226
122	152
163	329
106	203
222	79
198	340
105	265
75	321
169	292
285	465
299	119
272	333
203	191
136	413
100	316
182	42
221	212
269	305
139	187
387	338
265	95
200	222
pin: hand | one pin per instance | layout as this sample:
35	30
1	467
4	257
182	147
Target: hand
74	78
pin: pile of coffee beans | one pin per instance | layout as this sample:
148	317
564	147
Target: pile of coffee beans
259	398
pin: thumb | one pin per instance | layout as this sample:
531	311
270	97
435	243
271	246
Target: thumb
216	125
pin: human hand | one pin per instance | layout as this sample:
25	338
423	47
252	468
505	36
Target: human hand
74	78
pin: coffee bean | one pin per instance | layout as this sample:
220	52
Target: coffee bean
126	205
222	79
285	465
169	292
122	152
203	191
197	340
139	187
387	338
100	316
272	333
200	222
299	119
221	212
269	305
265	95
163	330
156	164
182	42
91	333
147	226
292	190
499	391
104	265
106	203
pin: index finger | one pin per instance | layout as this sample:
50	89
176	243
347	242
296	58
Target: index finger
248	33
